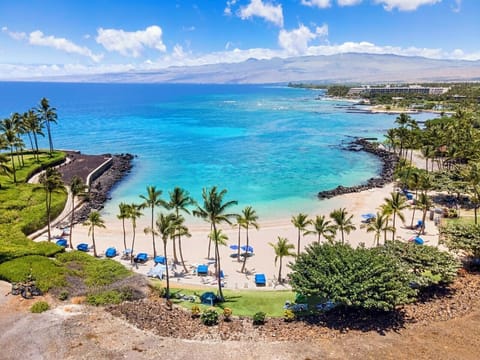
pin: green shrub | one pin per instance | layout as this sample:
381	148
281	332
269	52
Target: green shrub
288	315
39	307
209	317
259	318
63	295
109	297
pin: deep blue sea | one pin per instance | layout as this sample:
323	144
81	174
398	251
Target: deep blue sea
271	147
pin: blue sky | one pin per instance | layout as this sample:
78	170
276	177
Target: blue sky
52	37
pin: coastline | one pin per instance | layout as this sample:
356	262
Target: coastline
357	201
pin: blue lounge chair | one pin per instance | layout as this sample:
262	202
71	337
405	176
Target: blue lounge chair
160	260
202	270
111	252
260	280
141	258
208	298
82	247
61	242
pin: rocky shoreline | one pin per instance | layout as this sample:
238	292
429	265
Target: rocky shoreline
388	159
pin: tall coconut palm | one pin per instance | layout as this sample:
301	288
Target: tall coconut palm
397	203
134	213
10	138
33	126
342	221
424	203
239	224
218	238
414	183
214	210
51	182
378	225
181	230
166	225
94	220
122	215
77	188
282	249
322	227
48	115
300	222
152	200
180	200
250	218
402	120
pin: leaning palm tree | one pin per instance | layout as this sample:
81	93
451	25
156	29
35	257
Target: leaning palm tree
94	220
77	188
322	227
397	203
152	200
282	249
48	115
239	224
51	182
122	215
133	214
424	203
342	221
250	218
214	210
300	222
181	230
180	200
166	225
33	126
378	225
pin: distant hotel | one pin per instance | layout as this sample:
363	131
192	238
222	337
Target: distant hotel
396	90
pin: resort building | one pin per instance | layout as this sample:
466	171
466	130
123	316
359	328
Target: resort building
397	90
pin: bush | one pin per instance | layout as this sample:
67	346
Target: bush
227	314
39	307
63	295
288	315
195	311
109	297
259	318
209	317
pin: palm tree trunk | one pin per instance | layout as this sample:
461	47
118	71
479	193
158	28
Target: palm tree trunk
217	262
175	258
124	235
280	270
475	213
298	243
414	207
319	238
394	229
238	250
181	253
343	237
210	241
133	244
36	146
167	293
153	237
49	204
246	253
71	222
13	166
50	143
93	241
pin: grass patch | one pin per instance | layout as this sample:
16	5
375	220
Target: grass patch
39	307
463	220
242	303
109	297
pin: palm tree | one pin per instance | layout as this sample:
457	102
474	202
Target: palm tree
133	214
282	249
77	188
166	225
424	203
33	126
151	200
396	203
94	220
51	181
122	215
402	120
378	225
214	211
10	138
179	201
250	218
414	182
5	169
300	222
48	115
240	224
343	222
181	230
322	227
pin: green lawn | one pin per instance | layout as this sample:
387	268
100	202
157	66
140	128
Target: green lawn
242	302
462	220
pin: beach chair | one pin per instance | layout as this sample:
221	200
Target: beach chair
141	258
160	260
111	252
202	270
82	247
260	280
61	242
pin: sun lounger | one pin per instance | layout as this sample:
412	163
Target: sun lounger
159	260
260	280
61	242
111	252
141	258
202	270
82	247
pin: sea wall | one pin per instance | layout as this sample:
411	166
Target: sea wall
389	162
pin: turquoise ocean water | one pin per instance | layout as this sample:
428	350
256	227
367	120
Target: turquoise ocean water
271	147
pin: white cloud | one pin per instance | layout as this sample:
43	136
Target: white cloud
296	42
348	2
228	7
131	43
38	38
267	11
322	4
405	5
14	35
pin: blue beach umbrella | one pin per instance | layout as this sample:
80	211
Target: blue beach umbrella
247	248
418	240
234	247
369	216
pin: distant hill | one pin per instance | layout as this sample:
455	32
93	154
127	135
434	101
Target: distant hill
340	68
